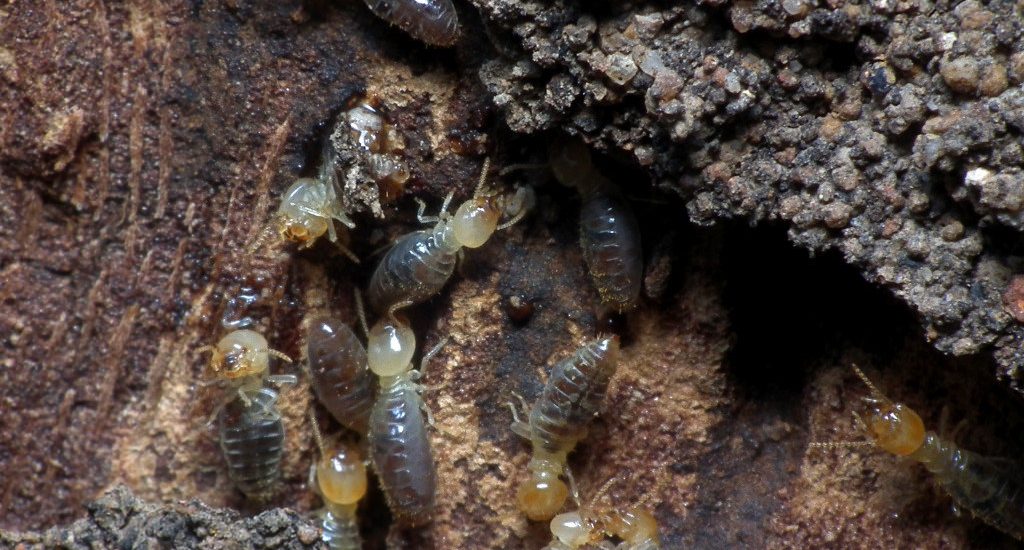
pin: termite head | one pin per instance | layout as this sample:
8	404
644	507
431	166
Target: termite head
240	354
542	495
572	529
632	526
475	221
299	221
390	347
894	427
341	477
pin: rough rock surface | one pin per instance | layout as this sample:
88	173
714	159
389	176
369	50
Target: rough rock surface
888	130
142	149
122	520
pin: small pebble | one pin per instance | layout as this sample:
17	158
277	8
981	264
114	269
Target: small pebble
1013	298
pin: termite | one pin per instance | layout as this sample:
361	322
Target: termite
338	371
433	22
609	233
559	419
991	489
340	479
251	432
635	527
399	446
252	440
370	147
420	263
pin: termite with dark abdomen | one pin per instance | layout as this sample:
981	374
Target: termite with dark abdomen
340	479
420	263
399	446
339	375
558	420
252	440
251	432
991	489
609	234
434	22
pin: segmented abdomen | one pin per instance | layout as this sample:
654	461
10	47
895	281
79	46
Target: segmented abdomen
432	21
573	395
340	378
991	489
401	452
341	532
610	240
252	440
414	270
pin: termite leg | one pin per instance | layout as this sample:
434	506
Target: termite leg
396	307
444	205
347	252
283	379
520	428
421	213
574	489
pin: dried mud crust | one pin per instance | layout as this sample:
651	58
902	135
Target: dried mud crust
142	151
121	520
888	130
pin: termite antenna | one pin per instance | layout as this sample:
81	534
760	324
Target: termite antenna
867	382
361	312
508	169
280	355
317	436
483	177
839	444
603	490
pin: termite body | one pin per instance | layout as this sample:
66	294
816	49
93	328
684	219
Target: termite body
433	22
338	370
991	489
420	263
609	233
399	445
251	432
252	440
559	419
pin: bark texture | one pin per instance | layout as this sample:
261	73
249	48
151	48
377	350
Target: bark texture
143	148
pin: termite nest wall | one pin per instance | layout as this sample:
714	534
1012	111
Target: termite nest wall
142	149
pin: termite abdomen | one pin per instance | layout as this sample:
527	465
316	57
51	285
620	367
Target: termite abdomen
434	22
991	489
610	240
573	395
252	440
340	378
401	451
413	270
